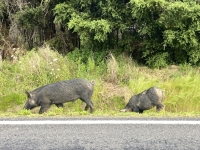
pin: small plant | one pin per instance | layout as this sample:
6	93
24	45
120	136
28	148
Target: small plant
116	81
24	112
112	69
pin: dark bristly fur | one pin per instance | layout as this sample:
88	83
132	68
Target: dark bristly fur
60	92
146	100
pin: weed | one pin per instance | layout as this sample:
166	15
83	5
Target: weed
116	80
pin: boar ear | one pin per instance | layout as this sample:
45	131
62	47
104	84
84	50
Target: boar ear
28	94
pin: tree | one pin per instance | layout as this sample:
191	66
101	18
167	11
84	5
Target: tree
96	22
170	31
154	32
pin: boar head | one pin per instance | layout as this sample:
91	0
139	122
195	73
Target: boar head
31	102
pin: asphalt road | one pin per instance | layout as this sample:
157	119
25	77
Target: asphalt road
99	134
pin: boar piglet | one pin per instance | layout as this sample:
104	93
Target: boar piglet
60	92
146	100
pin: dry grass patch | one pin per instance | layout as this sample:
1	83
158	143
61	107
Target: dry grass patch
114	90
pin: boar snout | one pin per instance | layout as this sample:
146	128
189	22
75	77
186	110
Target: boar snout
30	104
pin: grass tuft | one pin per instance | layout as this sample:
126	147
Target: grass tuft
116	80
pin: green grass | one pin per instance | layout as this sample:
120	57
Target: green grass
116	80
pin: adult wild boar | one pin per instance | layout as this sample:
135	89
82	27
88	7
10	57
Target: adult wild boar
60	92
146	100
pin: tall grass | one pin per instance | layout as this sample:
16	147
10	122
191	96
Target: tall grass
116	80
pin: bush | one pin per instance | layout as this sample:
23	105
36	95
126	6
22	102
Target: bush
116	81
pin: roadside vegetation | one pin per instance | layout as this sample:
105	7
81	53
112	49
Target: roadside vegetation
117	78
125	46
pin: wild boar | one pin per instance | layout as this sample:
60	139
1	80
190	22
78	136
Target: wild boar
146	100
60	92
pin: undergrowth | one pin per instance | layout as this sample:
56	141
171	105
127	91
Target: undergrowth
116	80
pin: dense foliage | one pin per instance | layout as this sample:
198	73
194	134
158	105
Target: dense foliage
154	32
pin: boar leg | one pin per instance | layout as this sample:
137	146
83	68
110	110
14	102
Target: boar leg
140	111
59	105
44	108
89	105
159	107
136	109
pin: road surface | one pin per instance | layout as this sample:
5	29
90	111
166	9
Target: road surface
99	134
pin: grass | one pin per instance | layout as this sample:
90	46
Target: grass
116	80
